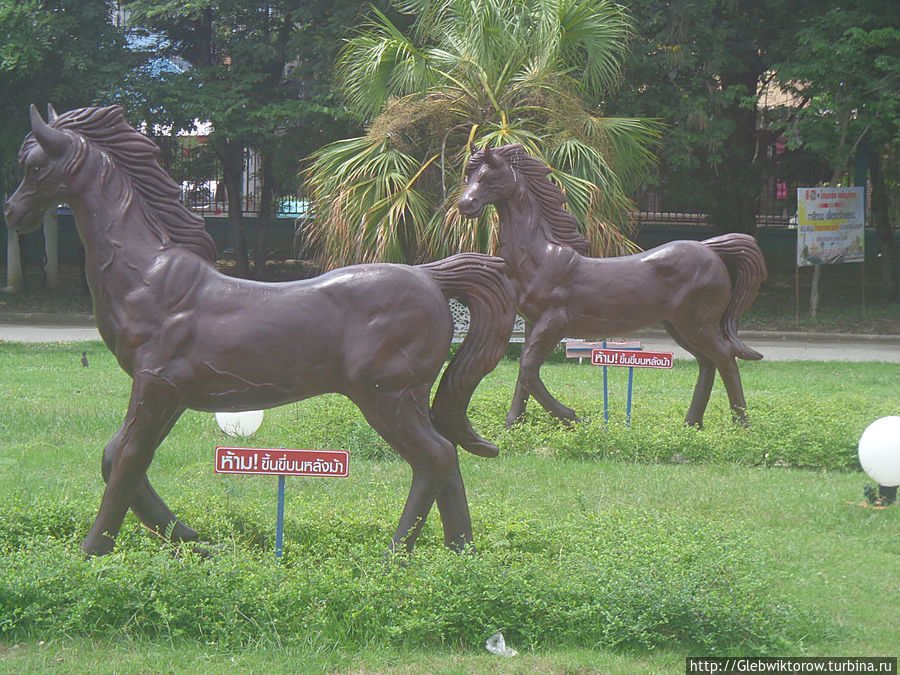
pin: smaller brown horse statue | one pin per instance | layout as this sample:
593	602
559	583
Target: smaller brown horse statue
191	337
561	292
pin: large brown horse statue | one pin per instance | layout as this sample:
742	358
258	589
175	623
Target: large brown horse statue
190	337
561	292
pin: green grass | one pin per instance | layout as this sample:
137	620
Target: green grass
599	549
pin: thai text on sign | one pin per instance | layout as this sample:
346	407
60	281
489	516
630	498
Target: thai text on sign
830	225
281	462
631	359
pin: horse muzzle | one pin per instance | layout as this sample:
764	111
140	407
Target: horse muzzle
21	218
468	206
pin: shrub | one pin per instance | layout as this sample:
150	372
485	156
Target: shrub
610	577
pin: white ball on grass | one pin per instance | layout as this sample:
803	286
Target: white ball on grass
879	451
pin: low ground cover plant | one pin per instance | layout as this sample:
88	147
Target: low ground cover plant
592	537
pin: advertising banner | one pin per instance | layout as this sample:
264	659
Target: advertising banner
830	225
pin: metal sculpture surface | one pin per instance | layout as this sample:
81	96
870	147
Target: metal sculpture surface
562	292
191	337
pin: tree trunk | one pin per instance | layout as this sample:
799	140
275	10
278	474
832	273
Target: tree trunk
737	189
814	291
890	272
264	216
231	155
837	172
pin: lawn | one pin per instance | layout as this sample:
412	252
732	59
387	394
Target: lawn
600	549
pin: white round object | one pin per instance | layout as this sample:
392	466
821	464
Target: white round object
239	423
879	450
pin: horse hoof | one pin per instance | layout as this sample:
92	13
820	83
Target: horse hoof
568	419
513	420
205	550
395	556
97	545
483	449
181	532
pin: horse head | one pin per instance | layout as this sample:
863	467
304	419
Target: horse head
489	179
43	179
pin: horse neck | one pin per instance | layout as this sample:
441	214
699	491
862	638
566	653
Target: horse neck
119	245
522	241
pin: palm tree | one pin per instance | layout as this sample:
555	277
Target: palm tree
489	71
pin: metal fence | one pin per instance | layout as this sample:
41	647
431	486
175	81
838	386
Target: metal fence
193	164
663	218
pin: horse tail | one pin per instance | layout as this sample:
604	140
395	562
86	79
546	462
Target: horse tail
742	253
481	283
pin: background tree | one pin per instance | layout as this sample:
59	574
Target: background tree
493	71
698	66
259	72
845	76
63	52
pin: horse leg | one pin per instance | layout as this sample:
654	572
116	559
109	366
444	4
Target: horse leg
520	395
728	369
544	337
150	509
152	407
454	509
402	418
718	349
705	379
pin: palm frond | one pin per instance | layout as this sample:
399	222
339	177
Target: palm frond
586	164
380	62
595	33
364	189
518	71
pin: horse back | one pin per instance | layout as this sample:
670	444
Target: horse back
615	296
273	343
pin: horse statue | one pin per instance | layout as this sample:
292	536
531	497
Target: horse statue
562	292
191	337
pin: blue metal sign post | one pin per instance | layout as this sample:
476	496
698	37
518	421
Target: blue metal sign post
283	462
279	519
630	388
617	353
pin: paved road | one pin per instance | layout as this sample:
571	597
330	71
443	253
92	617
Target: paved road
803	347
47	333
773	346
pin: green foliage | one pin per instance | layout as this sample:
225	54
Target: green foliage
492	71
845	76
597	578
587	537
802	415
259	72
698	67
63	52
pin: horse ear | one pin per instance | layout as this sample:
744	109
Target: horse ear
53	141
491	158
51	114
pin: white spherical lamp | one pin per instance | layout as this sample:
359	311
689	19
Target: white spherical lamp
240	423
879	455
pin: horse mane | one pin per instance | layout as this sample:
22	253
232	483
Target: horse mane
137	157
561	226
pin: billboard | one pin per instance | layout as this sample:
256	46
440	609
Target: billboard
830	225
